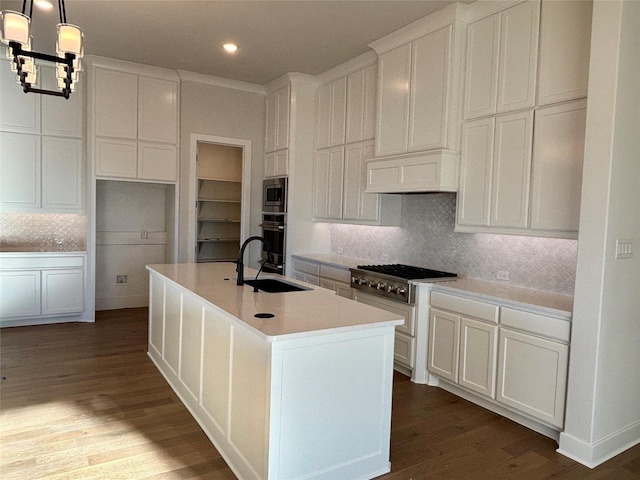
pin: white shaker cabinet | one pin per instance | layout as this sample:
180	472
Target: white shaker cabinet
61	117
328	178
565	39
358	205
19	112
413	95
361	105
277	120
556	180
20	185
19	293
332	110
444	344
62	173
501	61
276	164
135	126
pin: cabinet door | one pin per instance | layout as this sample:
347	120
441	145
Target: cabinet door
282	118
116	158
429	105
19	171
405	311
557	166
281	165
270	123
355	106
394	71
565	37
338	111
474	195
481	74
157	161
358	205
444	335
62	291
19	112
518	56
323	117
369	202
369	110
336	176
478	356
511	170
62	174
321	184
532	375
116	104
19	294
157	110
61	117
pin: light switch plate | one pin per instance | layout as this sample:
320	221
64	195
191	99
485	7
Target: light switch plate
624	248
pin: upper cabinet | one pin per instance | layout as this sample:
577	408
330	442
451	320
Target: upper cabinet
521	156
41	147
332	114
277	121
361	105
135	125
418	103
501	61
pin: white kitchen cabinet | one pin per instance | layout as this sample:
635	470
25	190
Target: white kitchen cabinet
358	205
463	342
20	171
325	276
556	177
62	291
62	174
19	293
501	61
135	126
414	98
19	112
361	105
34	287
61	117
331	117
511	170
276	164
41	174
565	38
328	178
277	120
532	375
444	344
405	341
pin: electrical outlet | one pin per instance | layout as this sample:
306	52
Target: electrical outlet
121	279
144	234
503	275
624	248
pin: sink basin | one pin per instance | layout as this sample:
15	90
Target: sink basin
273	285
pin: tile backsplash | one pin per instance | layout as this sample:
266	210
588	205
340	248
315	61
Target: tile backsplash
426	238
42	232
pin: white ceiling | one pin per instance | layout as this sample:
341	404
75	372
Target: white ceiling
274	37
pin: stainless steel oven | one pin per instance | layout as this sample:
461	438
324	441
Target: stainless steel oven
274	195
274	227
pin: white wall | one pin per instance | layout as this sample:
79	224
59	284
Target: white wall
603	404
210	109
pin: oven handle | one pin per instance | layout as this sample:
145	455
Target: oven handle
272	226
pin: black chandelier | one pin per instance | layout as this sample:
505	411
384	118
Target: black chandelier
16	33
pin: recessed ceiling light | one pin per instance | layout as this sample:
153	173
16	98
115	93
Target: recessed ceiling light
230	47
43	4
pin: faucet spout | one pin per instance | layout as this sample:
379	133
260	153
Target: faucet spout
240	262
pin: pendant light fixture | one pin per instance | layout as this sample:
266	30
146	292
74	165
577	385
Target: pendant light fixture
16	33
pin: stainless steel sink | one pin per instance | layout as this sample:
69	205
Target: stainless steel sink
274	285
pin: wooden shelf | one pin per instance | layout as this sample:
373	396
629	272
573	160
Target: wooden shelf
218	200
225	180
218	220
218	240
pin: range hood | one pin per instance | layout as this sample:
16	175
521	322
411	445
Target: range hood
423	172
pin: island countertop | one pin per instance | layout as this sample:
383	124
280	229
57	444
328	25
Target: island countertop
304	313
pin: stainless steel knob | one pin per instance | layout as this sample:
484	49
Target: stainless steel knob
361	281
401	291
380	286
391	288
372	284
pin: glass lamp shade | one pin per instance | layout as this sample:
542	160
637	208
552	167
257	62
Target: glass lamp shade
61	73
69	39
15	27
62	85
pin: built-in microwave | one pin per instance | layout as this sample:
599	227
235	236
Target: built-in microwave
274	196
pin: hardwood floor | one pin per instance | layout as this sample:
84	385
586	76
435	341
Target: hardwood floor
83	401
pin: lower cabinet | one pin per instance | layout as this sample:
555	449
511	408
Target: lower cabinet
33	288
322	275
404	343
511	358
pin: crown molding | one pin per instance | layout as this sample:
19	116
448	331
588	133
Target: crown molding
188	76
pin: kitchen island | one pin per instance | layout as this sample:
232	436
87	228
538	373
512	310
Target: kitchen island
303	394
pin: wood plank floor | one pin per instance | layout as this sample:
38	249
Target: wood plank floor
83	401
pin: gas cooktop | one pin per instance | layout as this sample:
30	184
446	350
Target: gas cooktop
405	271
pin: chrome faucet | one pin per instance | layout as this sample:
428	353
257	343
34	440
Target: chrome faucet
240	266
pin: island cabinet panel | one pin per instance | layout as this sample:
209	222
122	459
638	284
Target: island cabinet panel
312	406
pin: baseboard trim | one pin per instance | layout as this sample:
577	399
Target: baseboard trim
593	454
117	303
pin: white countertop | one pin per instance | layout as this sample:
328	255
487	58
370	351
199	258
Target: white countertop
296	313
549	303
337	261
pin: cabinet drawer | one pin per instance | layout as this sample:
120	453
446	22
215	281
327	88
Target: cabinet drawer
306	267
339	274
41	262
537	324
465	306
